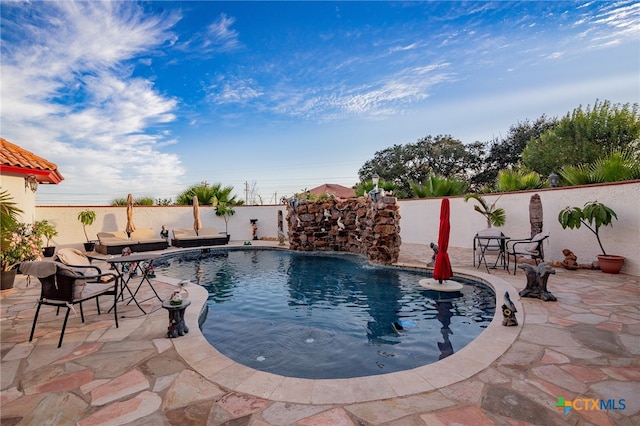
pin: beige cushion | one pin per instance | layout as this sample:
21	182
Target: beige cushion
151	240
533	246
72	256
209	232
84	290
78	289
179	233
113	241
141	234
113	235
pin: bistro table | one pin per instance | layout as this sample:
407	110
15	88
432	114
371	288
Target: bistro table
491	243
129	266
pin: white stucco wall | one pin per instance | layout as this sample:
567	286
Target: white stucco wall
115	218
24	198
419	221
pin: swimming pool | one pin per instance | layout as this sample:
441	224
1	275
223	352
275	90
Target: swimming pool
321	316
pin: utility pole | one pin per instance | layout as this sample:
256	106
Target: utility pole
246	192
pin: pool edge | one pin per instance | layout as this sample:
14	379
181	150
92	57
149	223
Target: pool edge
475	357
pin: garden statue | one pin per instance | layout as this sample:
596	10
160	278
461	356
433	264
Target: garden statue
434	247
537	281
570	261
254	228
509	311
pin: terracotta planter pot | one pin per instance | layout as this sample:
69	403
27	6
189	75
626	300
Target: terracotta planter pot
7	279
610	263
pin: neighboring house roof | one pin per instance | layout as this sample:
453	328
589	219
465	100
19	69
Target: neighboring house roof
14	159
336	190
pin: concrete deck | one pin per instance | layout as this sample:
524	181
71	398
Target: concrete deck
584	346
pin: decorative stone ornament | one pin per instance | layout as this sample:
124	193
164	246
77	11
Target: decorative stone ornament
509	312
537	281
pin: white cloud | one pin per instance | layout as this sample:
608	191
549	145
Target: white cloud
232	90
67	93
221	35
218	37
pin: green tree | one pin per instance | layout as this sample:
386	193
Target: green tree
506	153
494	215
414	162
517	180
619	165
138	201
438	186
144	201
583	136
225	210
207	194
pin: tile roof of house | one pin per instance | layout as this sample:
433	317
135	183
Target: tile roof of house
14	159
336	190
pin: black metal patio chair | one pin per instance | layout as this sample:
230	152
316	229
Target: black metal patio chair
531	247
64	286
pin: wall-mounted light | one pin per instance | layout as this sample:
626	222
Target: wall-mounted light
554	179
31	182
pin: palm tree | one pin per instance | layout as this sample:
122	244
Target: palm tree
439	186
617	166
9	211
517	180
495	216
207	194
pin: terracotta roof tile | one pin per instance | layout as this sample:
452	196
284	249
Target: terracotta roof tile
18	160
336	190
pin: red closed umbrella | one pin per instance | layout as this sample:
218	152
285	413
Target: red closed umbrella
442	269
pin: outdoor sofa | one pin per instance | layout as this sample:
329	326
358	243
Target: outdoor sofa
187	237
142	239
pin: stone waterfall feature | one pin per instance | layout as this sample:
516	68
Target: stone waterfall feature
353	225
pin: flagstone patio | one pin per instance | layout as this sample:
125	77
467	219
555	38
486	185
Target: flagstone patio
586	345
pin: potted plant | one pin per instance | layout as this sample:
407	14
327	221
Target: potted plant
20	243
495	216
593	215
45	229
225	210
87	217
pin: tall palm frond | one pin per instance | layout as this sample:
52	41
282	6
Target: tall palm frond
517	180
495	216
9	211
577	175
438	186
617	166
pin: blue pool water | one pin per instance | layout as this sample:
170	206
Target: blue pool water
324	316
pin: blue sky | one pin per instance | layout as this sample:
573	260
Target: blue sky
149	98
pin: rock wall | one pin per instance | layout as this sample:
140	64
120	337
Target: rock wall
353	225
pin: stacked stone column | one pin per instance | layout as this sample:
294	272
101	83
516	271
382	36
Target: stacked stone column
353	225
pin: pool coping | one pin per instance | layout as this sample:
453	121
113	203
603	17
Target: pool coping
476	356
